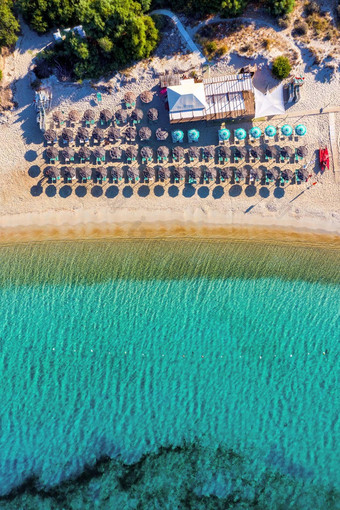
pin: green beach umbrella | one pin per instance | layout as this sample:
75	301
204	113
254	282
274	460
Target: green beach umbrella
223	134
255	132
301	130
240	133
193	135
270	131
177	136
286	130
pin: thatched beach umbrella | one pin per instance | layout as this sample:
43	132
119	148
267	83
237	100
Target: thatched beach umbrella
146	97
179	173
237	173
287	174
67	134
116	173
302	151
99	153
84	172
100	172
52	152
161	134
84	153
52	172
193	174
240	152
89	115
131	133
258	172
225	152
146	152
288	150
57	116
206	173
304	172
50	135
272	151
226	172
137	114
68	172
116	153
148	172
98	134
131	173
153	114
131	151
130	97
113	134
163	151
178	152
105	115
121	115
83	134
164	173
208	151
68	153
193	152
276	170
145	133
74	115
256	152
245	171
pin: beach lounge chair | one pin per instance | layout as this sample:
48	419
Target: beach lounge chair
297	178
236	177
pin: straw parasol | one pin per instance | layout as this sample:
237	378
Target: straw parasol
83	133
237	173
131	133
161	134
225	152
148	172
272	151
164	173
208	151
89	115
129	97
287	173
121	115
99	152
192	173
51	171
153	114
116	153
84	172
302	151
206	172
146	152
131	151
257	172
287	150
67	134
100	172
68	152
245	171
146	97
240	133
116	173
163	151
50	135
304	172
137	114
74	115
98	134
178	152
57	116
52	152
105	115
145	133
68	171
276	170
130	173
256	152
287	130
179	172
226	172
113	134
84	153
193	152
301	130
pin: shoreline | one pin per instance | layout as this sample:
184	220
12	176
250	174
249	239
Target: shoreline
94	224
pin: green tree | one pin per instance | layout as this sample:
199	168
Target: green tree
9	26
281	67
232	7
280	7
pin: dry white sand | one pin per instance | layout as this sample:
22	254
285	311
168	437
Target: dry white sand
27	200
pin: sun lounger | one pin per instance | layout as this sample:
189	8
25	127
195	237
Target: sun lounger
297	178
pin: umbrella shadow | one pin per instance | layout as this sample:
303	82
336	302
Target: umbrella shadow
31	155
143	191
158	190
65	191
97	191
173	191
188	191
203	192
218	192
127	192
250	191
264	192
235	190
34	171
81	191
36	190
112	192
279	192
51	191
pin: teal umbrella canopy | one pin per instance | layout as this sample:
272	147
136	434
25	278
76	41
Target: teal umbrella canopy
286	130
255	132
223	134
301	130
240	133
177	136
193	135
270	131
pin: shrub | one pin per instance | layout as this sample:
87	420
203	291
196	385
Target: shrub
8	24
283	22
281	67
222	50
232	7
311	7
0	74
209	48
300	29
280	7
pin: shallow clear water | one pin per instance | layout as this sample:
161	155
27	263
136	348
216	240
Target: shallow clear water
228	351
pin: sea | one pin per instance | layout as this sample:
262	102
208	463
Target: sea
170	374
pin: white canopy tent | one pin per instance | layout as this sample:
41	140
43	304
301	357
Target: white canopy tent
187	99
271	103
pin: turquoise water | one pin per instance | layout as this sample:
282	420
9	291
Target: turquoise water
203	391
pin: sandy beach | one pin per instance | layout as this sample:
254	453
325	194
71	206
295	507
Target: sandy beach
28	203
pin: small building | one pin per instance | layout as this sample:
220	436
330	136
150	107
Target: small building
215	98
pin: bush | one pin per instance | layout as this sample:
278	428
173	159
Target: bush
311	7
222	50
281	67
210	47
280	7
8	24
0	74
232	7
300	29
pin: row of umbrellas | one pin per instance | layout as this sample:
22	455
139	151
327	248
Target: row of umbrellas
255	132
165	173
105	115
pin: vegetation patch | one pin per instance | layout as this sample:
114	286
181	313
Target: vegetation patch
281	67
